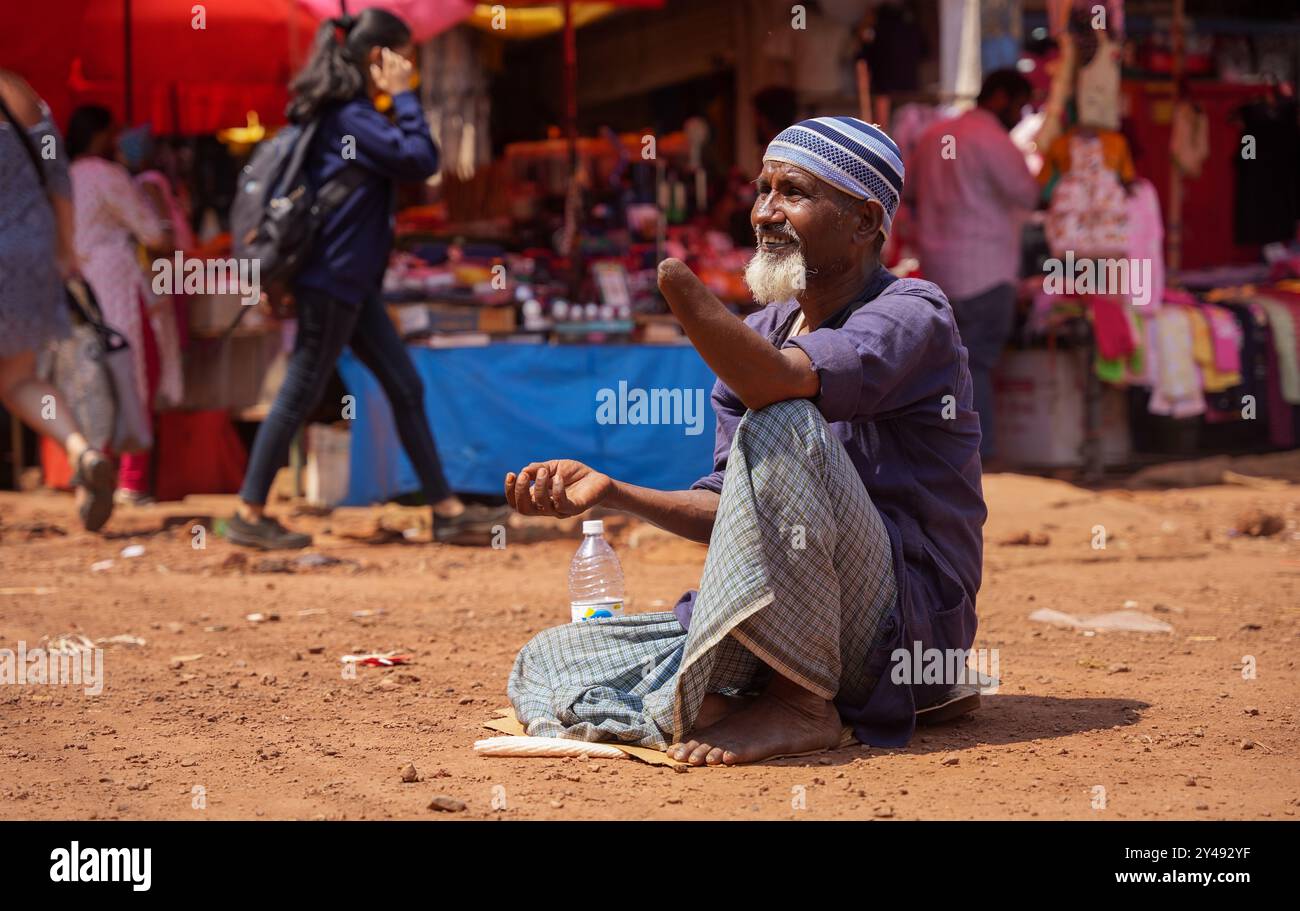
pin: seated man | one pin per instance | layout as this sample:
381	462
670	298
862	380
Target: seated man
844	514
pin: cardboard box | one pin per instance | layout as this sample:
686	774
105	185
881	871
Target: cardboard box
328	448
1039	411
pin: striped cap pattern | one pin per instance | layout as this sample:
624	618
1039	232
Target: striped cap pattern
848	153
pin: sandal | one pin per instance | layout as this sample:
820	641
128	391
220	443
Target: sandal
97	477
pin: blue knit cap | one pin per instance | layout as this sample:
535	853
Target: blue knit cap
847	153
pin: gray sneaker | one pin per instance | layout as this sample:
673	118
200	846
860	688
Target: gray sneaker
472	527
266	534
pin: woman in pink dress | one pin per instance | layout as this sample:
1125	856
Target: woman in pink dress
112	219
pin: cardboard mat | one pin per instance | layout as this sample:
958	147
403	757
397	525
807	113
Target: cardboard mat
504	721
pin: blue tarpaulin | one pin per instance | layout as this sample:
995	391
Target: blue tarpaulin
494	409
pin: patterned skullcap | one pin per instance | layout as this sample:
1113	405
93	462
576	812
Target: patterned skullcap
848	153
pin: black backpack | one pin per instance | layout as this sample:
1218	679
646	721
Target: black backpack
276	216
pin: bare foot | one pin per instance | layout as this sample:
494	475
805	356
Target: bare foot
786	719
716	706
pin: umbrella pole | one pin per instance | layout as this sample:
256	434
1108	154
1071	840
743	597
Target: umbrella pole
127	82
573	201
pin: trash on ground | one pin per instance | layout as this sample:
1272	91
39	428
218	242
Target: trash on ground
313	560
120	639
101	566
1123	621
67	644
132	550
378	659
259	617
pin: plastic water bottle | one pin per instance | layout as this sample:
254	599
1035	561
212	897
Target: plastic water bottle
595	577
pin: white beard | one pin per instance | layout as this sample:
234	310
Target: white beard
776	277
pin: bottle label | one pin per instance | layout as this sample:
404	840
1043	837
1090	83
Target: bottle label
595	610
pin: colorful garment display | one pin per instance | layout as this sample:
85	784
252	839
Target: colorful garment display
1281	320
1177	391
1088	214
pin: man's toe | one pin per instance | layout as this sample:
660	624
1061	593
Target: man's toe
700	754
715	756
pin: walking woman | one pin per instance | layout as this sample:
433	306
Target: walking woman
113	218
36	256
356	62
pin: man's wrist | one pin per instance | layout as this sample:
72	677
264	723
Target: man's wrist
615	497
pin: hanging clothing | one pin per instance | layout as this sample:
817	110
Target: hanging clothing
1115	153
1212	379
895	53
1226	338
1111	327
1096	95
1268	185
1146	235
1281	320
1177	390
1189	138
1088	214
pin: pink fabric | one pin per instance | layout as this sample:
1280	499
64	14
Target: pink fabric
1111	326
1225	335
112	216
972	189
133	473
1146	235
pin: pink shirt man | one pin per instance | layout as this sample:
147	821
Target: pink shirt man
970	188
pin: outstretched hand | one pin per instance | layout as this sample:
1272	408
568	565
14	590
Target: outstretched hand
559	487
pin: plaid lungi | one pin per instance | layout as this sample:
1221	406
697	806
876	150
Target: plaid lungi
797	580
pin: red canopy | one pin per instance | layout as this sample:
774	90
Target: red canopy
189	74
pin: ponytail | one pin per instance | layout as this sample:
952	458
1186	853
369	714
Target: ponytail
337	69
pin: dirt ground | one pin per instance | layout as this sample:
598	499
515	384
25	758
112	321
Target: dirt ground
251	720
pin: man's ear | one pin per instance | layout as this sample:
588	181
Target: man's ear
871	220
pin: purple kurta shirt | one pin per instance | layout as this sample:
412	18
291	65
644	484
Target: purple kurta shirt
887	373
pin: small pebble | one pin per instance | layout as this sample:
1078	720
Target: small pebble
450	804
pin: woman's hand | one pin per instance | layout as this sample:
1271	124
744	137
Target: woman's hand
560	488
392	74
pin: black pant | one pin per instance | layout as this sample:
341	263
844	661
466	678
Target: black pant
985	322
325	325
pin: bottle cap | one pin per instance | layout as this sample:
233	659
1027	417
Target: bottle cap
593	527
